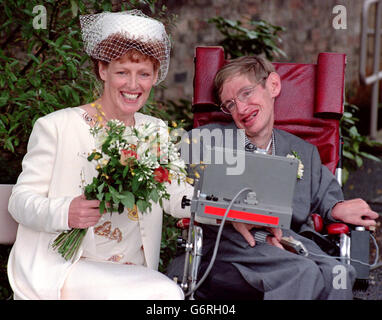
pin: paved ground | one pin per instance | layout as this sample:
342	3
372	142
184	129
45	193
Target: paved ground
366	183
374	291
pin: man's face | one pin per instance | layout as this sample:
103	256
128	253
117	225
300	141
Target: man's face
256	115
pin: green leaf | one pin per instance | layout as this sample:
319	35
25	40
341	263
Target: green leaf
102	207
345	175
370	156
100	187
142	205
348	155
114	194
125	171
128	199
154	195
358	161
34	58
353	132
135	184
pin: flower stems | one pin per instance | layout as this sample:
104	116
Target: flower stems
68	242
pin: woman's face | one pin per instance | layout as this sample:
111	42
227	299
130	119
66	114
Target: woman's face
127	85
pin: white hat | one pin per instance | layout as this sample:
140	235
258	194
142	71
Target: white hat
109	35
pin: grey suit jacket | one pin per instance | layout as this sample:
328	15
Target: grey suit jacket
318	190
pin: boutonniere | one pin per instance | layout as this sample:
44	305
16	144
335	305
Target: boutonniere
300	170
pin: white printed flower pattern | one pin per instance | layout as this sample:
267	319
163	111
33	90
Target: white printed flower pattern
300	170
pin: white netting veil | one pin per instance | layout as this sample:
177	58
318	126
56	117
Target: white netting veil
109	35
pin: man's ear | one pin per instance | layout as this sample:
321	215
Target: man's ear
274	84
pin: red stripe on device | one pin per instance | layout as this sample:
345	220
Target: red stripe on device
242	215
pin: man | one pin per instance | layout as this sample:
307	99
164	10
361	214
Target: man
244	269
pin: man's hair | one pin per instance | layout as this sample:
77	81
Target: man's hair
257	69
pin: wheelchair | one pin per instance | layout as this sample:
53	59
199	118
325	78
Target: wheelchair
309	106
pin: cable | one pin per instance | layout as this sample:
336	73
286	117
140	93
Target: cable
220	231
216	247
375	263
378	265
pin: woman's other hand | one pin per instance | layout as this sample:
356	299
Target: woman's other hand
83	213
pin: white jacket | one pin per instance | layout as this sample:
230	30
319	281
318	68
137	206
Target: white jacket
51	178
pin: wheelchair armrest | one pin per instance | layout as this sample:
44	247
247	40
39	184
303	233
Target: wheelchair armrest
331	229
337	228
318	222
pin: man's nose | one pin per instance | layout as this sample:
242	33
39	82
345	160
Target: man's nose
241	107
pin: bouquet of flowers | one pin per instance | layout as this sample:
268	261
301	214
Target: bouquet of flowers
133	165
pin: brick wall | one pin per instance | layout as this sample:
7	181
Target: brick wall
308	26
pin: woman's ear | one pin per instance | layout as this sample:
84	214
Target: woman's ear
156	74
274	84
102	70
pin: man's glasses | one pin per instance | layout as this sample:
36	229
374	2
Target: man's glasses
244	94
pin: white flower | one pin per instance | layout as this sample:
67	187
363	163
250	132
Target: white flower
300	170
100	138
129	136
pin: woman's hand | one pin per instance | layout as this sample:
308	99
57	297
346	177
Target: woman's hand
83	213
244	228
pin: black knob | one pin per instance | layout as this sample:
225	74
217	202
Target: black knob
181	243
185	202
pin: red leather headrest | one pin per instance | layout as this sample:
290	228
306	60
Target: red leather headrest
310	103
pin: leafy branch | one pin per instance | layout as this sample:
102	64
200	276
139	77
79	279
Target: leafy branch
354	144
258	37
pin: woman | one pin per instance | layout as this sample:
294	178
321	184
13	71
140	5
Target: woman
120	253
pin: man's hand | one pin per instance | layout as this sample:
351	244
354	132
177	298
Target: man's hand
356	212
244	228
83	213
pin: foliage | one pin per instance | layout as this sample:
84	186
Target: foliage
168	247
263	38
44	75
176	113
133	165
43	70
260	37
5	289
354	144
